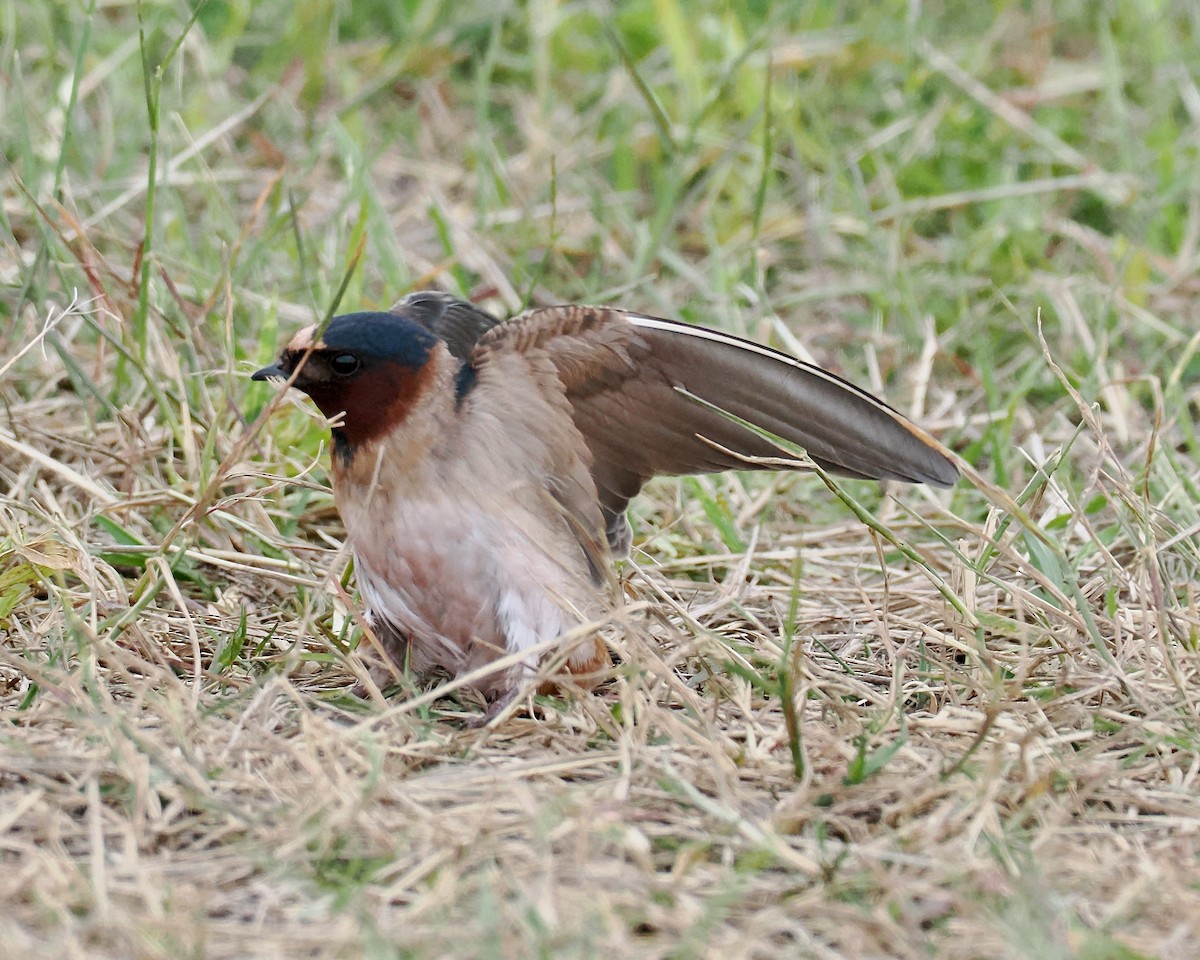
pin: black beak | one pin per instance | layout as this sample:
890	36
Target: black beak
268	373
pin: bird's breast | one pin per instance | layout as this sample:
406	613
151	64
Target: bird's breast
427	571
465	573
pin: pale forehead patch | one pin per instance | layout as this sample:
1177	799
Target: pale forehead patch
304	339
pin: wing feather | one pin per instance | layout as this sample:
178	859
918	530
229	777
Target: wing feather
632	381
459	323
628	385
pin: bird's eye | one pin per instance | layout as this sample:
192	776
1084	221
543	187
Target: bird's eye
344	364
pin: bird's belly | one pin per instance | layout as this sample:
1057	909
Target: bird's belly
462	589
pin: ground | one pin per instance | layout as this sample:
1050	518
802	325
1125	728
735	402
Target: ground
862	723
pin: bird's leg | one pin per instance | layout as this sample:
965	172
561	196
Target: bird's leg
494	709
395	647
385	657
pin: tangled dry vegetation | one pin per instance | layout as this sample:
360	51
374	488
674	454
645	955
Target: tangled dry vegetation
956	724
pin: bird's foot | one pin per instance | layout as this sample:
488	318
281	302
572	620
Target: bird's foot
494	709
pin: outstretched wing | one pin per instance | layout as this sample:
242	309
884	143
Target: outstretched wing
633	383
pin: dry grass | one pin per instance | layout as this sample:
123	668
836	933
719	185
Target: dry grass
813	743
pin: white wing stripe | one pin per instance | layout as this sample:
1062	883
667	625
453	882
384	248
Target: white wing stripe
703	333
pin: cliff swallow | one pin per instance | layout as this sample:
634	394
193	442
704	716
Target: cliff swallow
482	467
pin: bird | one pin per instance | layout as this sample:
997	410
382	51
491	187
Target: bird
482	467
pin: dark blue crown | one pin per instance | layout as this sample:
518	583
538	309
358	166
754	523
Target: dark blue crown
381	336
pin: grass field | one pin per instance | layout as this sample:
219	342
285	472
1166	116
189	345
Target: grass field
899	723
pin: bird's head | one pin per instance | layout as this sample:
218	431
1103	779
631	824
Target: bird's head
369	367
